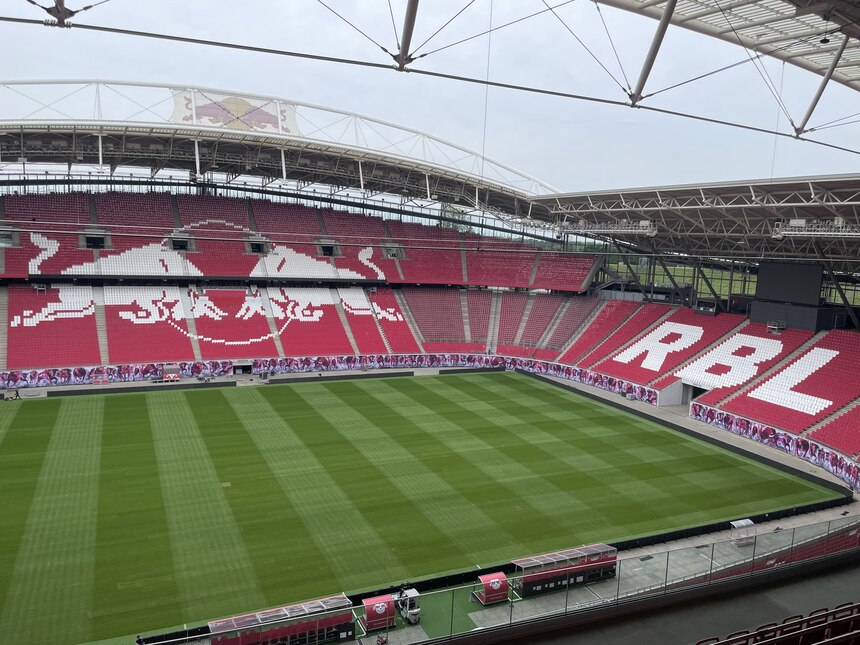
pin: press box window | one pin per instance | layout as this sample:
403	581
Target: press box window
328	250
179	244
95	241
257	247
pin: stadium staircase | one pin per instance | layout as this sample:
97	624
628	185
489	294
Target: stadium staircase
645	319
464	310
389	239
101	326
4	316
270	317
338	306
493	325
535	265
553	324
602	321
521	328
407	316
379	328
189	320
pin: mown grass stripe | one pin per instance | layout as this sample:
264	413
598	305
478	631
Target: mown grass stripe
10	409
281	547
445	448
393	491
53	573
214	572
135	582
21	462
340	530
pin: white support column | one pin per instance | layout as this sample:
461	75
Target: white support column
360	175
800	129
283	165
668	10
101	153
427	184
197	157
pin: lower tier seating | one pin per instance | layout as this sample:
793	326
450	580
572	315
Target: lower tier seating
362	321
392	322
842	433
610	317
643	318
308	322
231	323
809	389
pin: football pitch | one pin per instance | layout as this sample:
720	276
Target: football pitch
131	512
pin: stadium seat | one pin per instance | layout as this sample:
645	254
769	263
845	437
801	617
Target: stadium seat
610	316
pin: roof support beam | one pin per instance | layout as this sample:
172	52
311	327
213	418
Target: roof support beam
847	305
669	275
630	270
403	57
800	128
708	284
668	11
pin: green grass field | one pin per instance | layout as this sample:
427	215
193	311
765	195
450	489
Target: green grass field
133	512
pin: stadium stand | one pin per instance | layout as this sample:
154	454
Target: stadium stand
813	386
642	319
354	235
543	311
291	225
146	324
392	322
362	321
478	304
438	313
226	220
842	432
788	341
564	271
308	322
510	314
610	317
433	254
43	322
493	263
686	330
61	218
578	310
231	323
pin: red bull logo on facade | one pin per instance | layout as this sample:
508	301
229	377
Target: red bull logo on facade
234	112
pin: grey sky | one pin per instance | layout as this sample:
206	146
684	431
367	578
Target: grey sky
570	144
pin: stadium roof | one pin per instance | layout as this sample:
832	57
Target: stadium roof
806	33
793	219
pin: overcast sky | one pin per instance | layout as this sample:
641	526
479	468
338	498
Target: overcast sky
571	144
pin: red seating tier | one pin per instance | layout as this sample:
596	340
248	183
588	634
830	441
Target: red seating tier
641	319
637	368
433	254
479	313
219	227
362	321
393	323
308	322
355	234
564	271
842	433
455	348
438	313
610	317
292	225
813	386
571	320
791	339
53	328
510	315
515	350
231	323
146	324
491	262
544	309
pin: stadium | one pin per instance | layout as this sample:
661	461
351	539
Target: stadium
279	372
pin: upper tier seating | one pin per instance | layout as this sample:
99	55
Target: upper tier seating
146	324
807	390
510	314
49	227
544	309
686	332
479	314
392	322
432	253
231	323
361	321
52	328
288	224
438	313
307	321
571	320
495	263
642	318
609	318
360	239
842	433
219	228
721	356
564	271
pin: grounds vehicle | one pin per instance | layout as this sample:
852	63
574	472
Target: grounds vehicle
550	571
408	604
